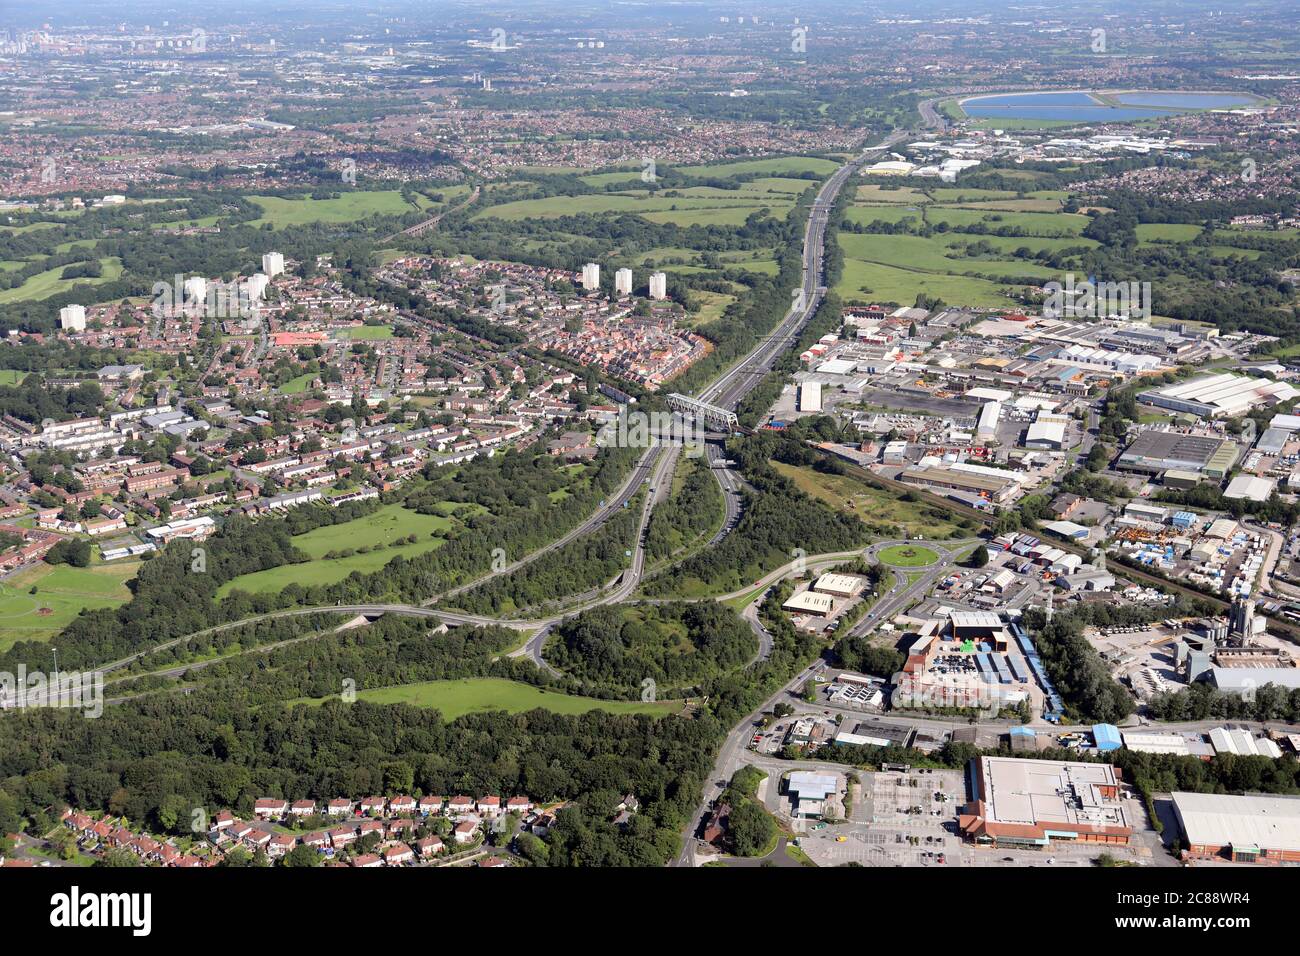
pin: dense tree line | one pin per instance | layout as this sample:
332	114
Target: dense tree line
1200	701
673	645
1209	497
859	654
231	740
588	562
693	509
1076	668
776	520
1074	665
33	401
751	830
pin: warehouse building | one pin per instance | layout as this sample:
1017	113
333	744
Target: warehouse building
809	602
1272	441
995	488
1219	396
1154	452
1106	737
1175	744
810	397
1241	680
1047	432
1286	423
810	792
1029	802
1253	828
980	627
839	585
987	427
1067	529
1242	743
1250	488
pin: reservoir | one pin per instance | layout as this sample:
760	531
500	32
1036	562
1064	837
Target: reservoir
1082	107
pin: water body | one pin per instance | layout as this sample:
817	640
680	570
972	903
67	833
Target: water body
1086	108
1184	101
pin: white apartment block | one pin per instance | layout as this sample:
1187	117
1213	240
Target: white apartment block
623	282
658	285
73	318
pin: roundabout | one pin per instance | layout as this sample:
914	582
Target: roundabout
907	556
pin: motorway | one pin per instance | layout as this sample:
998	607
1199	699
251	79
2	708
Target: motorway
627	583
608	508
729	389
654	467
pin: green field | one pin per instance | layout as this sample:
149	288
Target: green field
1033	223
388	524
734	205
370	333
938	254
881	510
48	283
62	591
773	167
778	184
712	305
898	268
879	192
455	698
630	176
873	282
296	386
9	376
201	222
896	212
908	556
1167	232
348	207
30	227
728	216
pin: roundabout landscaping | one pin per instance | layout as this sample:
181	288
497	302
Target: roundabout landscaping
907	556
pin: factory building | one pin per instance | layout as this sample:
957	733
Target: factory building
1047	432
1253	828
838	585
1250	488
1219	396
1155	452
987	427
809	602
994	488
810	397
